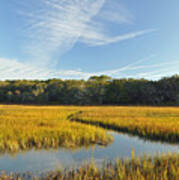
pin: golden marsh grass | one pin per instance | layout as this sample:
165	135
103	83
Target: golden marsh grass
163	167
158	123
24	127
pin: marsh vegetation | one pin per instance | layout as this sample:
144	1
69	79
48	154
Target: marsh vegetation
164	167
25	127
54	127
157	123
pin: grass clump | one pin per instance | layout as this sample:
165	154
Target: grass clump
157	123
163	167
24	127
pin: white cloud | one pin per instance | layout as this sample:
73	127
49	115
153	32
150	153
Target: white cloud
13	69
116	12
55	26
99	40
163	70
133	66
147	68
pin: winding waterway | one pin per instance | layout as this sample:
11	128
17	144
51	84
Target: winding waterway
42	161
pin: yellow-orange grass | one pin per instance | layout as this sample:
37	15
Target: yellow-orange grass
160	123
162	167
24	127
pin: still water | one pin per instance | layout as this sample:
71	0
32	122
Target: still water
42	161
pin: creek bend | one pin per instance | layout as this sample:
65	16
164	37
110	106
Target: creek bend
42	161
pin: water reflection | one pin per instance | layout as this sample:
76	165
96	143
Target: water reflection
46	160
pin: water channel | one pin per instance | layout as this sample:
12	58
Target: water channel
41	161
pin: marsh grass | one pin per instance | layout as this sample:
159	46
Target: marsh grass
26	127
156	123
163	167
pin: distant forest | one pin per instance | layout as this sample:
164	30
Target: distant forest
97	90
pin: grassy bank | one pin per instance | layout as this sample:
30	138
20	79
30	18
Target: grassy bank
157	123
24	127
164	167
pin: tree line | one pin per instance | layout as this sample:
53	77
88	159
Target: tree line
97	90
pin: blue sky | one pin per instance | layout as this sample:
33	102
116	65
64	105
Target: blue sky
42	39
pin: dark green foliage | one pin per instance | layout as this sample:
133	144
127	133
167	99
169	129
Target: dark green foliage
97	90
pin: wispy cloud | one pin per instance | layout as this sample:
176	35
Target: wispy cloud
116	12
137	64
162	70
55	26
147	68
13	69
99	39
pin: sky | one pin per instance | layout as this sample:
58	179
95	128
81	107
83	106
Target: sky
76	39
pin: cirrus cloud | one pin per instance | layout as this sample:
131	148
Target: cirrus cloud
53	27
